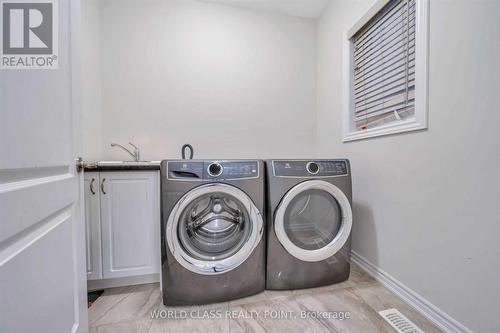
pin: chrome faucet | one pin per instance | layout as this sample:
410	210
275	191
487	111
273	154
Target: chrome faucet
135	155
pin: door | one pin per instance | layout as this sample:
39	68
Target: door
92	213
213	229
130	223
42	233
313	220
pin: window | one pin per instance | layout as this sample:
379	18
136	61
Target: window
387	70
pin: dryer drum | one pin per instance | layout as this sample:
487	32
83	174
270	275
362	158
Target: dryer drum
313	220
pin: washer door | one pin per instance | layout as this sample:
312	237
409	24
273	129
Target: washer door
213	229
313	221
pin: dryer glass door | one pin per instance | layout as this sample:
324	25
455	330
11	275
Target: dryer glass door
213	229
314	220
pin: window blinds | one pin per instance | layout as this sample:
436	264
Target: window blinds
384	66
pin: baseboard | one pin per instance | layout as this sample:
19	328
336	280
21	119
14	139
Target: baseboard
121	282
426	308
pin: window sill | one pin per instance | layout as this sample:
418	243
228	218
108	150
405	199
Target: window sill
395	128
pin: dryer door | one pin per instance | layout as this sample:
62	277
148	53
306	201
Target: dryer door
213	229
313	221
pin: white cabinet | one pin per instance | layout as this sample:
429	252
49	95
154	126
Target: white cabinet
93	225
129	222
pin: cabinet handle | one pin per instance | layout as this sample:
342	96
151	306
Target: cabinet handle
102	186
92	186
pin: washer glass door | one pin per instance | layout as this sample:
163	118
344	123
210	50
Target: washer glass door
213	229
314	220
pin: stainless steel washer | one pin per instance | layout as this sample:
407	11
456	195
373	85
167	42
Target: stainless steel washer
212	230
309	223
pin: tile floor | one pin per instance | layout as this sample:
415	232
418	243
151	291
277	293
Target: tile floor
128	309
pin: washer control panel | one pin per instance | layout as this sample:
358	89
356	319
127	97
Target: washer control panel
311	168
212	170
231	169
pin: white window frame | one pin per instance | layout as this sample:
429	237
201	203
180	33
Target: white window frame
419	121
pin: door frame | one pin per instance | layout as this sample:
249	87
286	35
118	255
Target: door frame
80	254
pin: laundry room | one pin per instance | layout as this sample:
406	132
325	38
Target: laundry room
249	166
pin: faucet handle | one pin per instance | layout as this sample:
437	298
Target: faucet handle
137	152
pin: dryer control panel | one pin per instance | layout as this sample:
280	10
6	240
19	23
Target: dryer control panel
212	170
310	168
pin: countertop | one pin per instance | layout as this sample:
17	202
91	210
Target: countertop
89	166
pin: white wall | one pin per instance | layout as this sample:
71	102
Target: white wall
234	83
427	204
91	80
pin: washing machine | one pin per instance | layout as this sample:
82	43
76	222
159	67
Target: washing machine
309	220
213	246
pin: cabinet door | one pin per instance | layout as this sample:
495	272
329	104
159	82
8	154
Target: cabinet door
130	215
93	225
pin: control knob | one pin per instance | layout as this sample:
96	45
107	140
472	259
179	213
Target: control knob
312	168
215	169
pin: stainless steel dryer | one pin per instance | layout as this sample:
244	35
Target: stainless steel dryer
213	248
309	223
